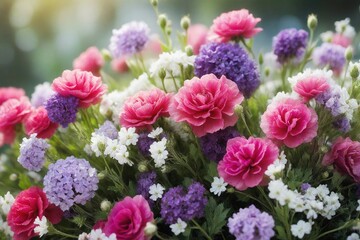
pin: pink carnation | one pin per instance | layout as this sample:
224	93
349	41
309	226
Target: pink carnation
119	65
310	84
39	122
80	84
341	40
196	36
246	161
13	111
145	108
128	219
290	122
345	156
7	135
29	205
235	24
206	104
7	93
91	60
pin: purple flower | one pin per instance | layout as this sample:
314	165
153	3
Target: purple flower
230	60
32	153
343	124
41	94
304	187
176	203
70	181
251	224
108	129
62	109
290	44
331	100
331	55
213	145
144	181
129	39
144	143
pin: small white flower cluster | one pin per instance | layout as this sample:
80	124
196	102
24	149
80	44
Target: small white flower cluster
277	166
218	186
301	228
5	228
343	27
178	227
95	235
158	152
3	160
156	191
115	100
314	202
353	236
41	226
6	202
115	148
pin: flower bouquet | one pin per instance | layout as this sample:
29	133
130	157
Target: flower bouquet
209	141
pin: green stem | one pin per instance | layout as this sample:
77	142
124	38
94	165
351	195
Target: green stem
247	47
345	225
58	232
245	123
159	237
201	230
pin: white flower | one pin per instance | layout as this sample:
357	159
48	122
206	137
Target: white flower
353	236
83	236
105	205
87	149
128	136
178	227
326	36
156	132
358	208
280	96
42	226
317	73
156	191
34	175
150	229
344	27
158	152
98	234
277	166
276	188
5	228
97	143
6	202
300	229
218	186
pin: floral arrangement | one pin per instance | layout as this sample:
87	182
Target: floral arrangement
209	141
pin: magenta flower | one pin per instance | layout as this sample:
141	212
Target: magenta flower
128	219
246	161
206	104
235	24
91	61
289	122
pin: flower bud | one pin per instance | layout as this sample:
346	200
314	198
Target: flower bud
312	21
154	3
230	190
349	53
267	71
189	50
142	167
101	175
106	55
354	71
325	175
162	21
13	177
150	229
239	110
185	22
162	73
105	205
261	59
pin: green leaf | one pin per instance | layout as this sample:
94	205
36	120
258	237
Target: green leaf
24	182
280	232
216	216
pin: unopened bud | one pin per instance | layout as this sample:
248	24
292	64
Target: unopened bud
106	55
101	175
261	59
325	175
239	110
349	53
185	22
150	229
162	21
105	205
312	21
142	167
230	190
354	71
13	177
189	50
162	73
154	3
267	71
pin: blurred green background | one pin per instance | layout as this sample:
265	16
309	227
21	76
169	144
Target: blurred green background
40	38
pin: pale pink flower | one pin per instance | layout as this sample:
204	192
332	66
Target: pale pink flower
196	36
246	161
14	111
145	108
119	65
345	156
341	40
235	24
290	122
206	104
91	61
80	84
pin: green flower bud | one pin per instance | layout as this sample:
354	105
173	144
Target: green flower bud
325	175
312	21
101	175
162	21
239	110
154	3
105	205
261	59
185	22
106	55
189	50
267	71
142	167
230	190
349	53
162	74
13	177
150	229
354	71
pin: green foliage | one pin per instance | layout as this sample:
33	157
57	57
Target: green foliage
24	181
216	216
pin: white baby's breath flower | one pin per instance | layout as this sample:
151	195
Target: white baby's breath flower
178	227
158	152
98	234
128	136
277	166
5	228
156	132
156	191
41	226
353	236
326	36
6	202
343	27
218	186
300	229
98	143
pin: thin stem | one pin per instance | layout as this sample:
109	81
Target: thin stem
247	47
345	225
201	230
245	123
58	232
159	237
